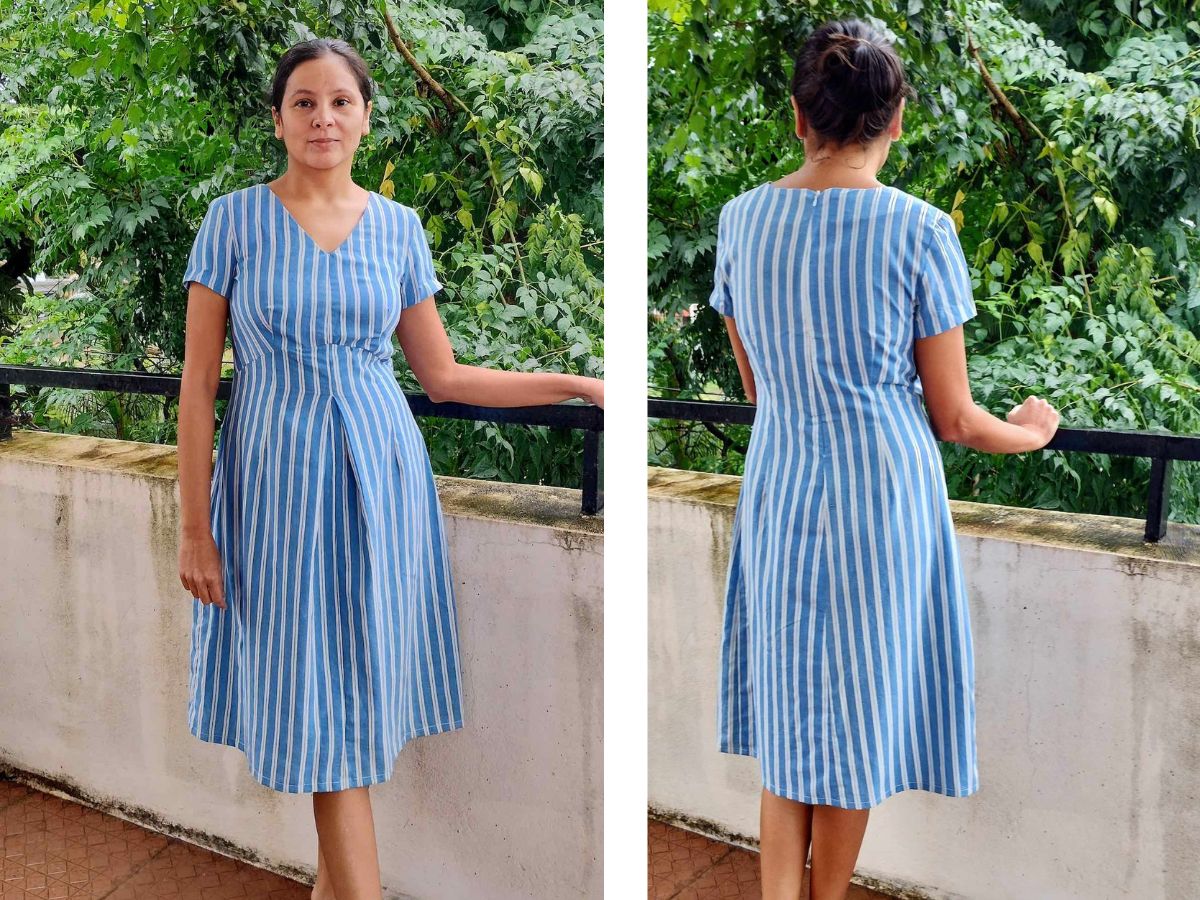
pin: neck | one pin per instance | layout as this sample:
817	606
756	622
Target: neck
306	184
856	167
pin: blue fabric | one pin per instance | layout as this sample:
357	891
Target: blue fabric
846	660
339	643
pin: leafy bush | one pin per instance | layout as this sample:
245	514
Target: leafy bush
1075	185
124	120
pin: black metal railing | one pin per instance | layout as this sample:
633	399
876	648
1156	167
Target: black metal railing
584	417
1160	447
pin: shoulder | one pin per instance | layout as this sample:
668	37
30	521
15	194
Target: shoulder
398	210
741	201
926	218
231	204
239	197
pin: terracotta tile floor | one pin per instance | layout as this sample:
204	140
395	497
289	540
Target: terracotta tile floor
689	866
54	848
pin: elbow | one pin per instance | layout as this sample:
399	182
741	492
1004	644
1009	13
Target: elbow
442	386
436	392
199	382
750	389
944	431
954	429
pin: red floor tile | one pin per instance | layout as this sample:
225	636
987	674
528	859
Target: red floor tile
689	866
55	849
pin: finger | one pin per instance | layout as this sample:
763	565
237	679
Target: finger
202	593
216	595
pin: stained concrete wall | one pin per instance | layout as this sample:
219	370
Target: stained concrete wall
94	628
1087	646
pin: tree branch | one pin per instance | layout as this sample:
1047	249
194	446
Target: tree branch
451	102
997	94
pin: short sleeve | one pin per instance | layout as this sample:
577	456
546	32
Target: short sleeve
213	260
417	280
944	297
721	298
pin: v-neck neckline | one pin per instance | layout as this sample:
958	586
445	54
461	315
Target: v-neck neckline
312	240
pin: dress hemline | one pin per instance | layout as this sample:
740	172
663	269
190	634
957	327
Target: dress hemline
337	784
813	799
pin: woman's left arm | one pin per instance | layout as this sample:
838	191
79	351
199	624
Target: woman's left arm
427	349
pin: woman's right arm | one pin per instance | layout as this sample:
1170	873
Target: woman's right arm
204	346
743	362
941	361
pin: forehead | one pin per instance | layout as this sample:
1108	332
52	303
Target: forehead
325	73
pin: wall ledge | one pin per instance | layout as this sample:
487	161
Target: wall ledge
543	505
1077	531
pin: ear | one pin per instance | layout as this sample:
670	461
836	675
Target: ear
278	122
897	126
801	124
367	119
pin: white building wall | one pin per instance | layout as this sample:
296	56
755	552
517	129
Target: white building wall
1087	647
94	630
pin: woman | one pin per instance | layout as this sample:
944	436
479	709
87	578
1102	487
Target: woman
324	632
847	665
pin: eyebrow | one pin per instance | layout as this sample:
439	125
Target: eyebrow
340	90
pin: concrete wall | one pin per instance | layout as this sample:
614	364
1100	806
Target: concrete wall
94	628
1087	646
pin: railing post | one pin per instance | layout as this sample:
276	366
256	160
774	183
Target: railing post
1159	499
6	413
591	472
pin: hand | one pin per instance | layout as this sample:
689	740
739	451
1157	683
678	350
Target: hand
593	391
1037	416
200	569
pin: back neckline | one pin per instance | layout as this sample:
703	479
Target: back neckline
773	186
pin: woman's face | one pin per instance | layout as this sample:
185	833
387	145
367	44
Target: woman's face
323	116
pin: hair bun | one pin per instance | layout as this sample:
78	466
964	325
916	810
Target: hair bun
848	81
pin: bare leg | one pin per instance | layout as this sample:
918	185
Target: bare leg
784	830
323	888
837	835
346	837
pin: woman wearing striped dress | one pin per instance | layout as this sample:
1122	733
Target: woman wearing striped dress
847	665
323	629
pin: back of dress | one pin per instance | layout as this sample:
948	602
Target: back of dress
847	660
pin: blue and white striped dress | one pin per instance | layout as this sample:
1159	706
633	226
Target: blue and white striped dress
339	642
846	662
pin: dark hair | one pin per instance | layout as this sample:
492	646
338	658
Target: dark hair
313	49
848	82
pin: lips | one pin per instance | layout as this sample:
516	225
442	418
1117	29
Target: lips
324	141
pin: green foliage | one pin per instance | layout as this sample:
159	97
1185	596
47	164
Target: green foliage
125	119
1078	217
